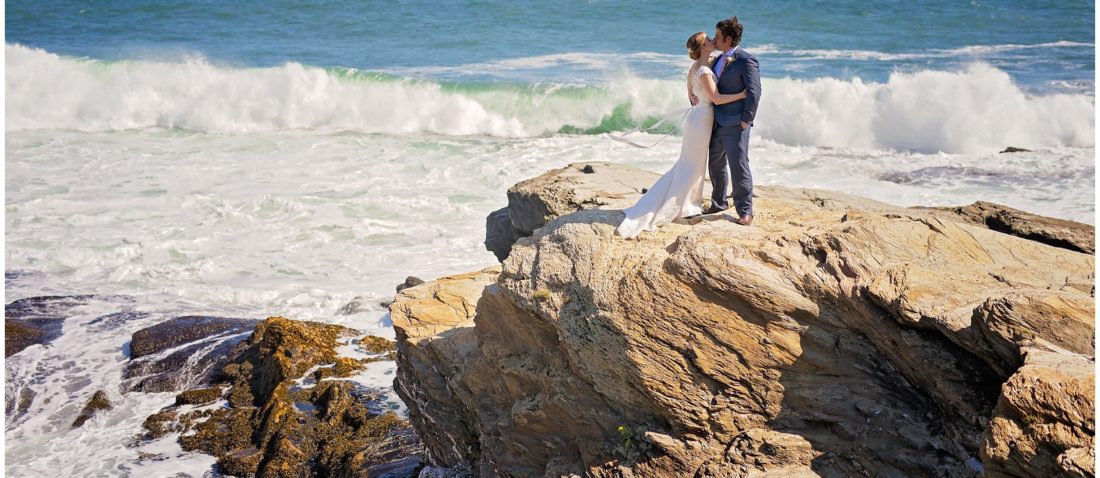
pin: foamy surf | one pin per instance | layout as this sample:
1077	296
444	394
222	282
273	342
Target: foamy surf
974	110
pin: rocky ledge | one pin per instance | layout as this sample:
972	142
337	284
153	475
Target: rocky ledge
837	336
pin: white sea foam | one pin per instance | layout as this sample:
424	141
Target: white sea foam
978	109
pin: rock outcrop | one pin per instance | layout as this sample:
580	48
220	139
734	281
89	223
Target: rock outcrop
536	201
1047	230
837	336
276	422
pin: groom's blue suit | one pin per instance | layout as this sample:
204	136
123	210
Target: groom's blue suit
729	142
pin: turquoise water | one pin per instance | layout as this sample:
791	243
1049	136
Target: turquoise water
1044	46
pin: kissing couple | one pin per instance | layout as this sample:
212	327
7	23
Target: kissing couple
724	96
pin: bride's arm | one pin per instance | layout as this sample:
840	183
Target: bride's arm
691	94
711	90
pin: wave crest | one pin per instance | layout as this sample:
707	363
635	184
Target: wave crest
974	110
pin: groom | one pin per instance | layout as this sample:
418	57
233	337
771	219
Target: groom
736	70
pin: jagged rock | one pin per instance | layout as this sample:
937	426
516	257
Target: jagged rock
1044	421
273	428
1047	230
205	345
1013	149
99	401
837	336
199	396
500	234
426	361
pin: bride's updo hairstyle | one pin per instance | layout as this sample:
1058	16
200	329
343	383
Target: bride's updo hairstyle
695	44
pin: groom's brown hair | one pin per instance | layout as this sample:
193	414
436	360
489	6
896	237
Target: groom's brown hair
731	28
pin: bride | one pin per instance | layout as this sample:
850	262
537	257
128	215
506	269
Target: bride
679	192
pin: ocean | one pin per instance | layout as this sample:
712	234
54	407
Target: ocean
251	159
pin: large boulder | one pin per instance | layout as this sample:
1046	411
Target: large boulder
838	336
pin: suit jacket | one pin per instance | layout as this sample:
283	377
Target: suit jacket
743	73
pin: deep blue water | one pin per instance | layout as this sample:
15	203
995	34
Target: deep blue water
1044	45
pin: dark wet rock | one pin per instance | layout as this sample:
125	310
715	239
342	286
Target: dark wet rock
98	402
199	396
500	234
45	307
410	281
1051	231
20	334
182	330
273	428
117	319
17	404
215	340
179	370
354	307
1013	149
39	320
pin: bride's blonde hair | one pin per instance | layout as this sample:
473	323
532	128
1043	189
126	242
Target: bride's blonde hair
695	44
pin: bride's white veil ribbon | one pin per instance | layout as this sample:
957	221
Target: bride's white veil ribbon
622	138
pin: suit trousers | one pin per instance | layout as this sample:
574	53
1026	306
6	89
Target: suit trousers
729	145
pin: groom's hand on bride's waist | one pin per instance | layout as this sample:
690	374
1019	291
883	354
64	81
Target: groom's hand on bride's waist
694	100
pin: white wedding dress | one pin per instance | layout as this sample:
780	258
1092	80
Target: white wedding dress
679	192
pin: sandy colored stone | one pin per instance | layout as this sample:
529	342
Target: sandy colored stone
837	336
1061	233
1044	421
536	201
434	325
